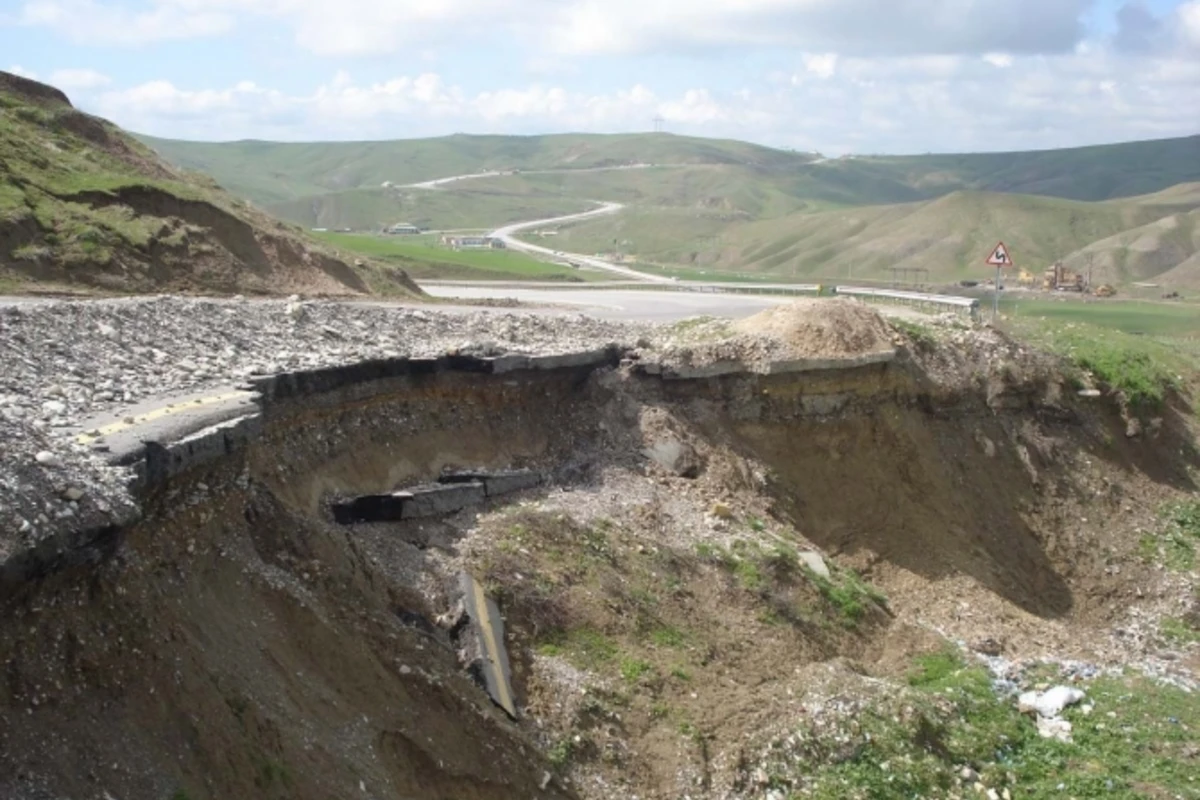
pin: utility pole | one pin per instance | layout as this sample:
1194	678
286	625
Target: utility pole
658	124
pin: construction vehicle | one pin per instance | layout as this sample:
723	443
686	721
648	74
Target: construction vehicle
1026	279
1104	290
1060	279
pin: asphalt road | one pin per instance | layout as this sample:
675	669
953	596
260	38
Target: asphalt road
616	304
507	234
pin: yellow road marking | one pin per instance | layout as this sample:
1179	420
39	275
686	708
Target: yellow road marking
158	413
489	642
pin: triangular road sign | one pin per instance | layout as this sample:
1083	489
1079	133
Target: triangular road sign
999	256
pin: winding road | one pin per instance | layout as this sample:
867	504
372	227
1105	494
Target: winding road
507	234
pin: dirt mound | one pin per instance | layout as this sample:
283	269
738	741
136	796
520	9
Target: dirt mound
811	328
805	334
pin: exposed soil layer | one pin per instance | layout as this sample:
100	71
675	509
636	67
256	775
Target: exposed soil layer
239	643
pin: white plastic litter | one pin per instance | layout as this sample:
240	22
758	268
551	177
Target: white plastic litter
1051	702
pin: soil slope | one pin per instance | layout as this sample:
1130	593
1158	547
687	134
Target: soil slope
83	205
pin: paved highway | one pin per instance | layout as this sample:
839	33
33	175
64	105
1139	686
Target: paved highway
617	304
507	235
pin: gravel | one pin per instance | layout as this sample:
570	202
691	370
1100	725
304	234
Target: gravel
66	362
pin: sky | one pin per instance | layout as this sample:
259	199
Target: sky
830	76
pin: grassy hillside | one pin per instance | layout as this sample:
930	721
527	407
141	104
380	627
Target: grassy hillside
422	258
84	205
443	209
735	207
949	236
1099	172
274	172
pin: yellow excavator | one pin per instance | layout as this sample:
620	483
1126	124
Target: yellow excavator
1060	279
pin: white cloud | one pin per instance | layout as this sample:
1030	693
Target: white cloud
17	69
998	60
78	79
855	26
90	22
589	27
1189	22
424	104
911	104
823	66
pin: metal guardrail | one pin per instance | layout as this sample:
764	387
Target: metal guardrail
674	286
970	305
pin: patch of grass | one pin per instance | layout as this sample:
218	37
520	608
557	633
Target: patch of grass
180	794
668	636
914	745
422	257
1174	545
591	647
559	755
757	525
634	669
1177	630
679	673
1140	367
920	334
933	670
549	649
848	593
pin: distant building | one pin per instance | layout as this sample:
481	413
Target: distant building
473	242
402	228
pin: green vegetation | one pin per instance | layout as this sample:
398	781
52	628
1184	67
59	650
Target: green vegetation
1174	544
1178	631
719	210
848	593
270	171
920	334
560	754
422	257
449	208
1142	367
634	669
1136	742
761	570
84	204
668	636
1154	319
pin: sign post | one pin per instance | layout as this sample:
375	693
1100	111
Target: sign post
998	259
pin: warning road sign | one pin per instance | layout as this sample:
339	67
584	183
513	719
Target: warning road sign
999	256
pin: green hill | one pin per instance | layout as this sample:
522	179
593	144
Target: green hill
274	172
84	205
739	207
444	209
1124	240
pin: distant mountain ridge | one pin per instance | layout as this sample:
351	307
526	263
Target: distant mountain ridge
270	172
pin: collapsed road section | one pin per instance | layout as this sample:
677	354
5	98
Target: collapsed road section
631	570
